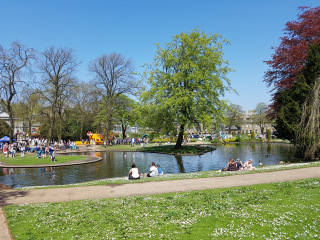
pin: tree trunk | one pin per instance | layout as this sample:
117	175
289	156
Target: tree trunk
11	119
30	127
52	121
81	130
180	137
124	129
11	127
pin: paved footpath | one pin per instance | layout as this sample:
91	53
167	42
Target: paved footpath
8	197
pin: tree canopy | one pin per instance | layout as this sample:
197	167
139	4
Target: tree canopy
289	59
293	69
188	77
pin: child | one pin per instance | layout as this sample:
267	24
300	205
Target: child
53	158
5	150
159	170
22	149
39	154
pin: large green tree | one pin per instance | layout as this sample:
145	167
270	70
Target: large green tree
308	130
4	128
188	78
125	113
287	111
159	119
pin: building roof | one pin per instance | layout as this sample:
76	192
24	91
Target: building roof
4	115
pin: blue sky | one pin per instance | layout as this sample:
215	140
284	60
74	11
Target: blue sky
132	28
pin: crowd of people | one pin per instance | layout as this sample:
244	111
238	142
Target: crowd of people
239	166
10	150
155	170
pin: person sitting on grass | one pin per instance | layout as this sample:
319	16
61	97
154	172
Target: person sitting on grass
153	170
134	172
39	154
232	165
240	165
159	170
248	165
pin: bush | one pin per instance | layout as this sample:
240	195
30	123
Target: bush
185	135
232	139
253	135
193	140
268	134
216	140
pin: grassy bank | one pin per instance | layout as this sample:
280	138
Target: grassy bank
169	149
118	148
31	159
288	210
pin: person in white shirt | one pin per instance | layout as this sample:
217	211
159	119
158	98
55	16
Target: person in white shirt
248	165
153	170
134	172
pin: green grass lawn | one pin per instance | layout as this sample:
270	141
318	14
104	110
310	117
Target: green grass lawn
31	159
288	210
169	149
119	148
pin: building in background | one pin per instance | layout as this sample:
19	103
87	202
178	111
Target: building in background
18	125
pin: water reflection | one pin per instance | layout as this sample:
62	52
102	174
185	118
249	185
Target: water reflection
180	163
118	164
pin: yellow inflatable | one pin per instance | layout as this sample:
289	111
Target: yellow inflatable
96	137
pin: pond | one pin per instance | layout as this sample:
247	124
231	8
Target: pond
117	164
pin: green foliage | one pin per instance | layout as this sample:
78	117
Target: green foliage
193	140
261	118
238	139
125	113
290	101
4	129
185	135
216	140
227	140
161	140
268	134
187	79
234	116
253	135
153	135
171	135
192	149
153	116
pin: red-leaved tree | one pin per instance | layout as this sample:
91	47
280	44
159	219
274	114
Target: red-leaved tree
289	59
